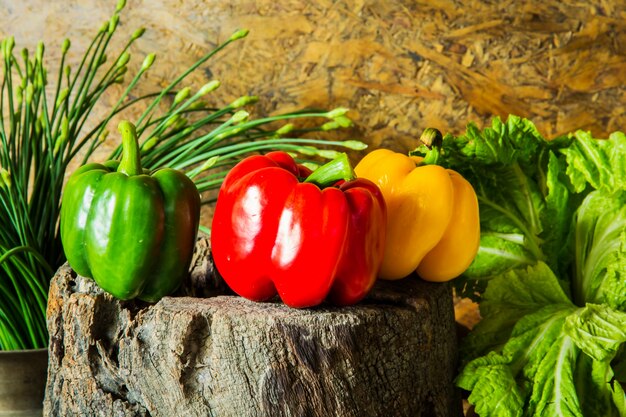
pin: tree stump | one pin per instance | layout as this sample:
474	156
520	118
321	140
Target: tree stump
394	354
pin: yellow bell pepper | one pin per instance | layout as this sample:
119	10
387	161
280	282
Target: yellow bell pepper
432	216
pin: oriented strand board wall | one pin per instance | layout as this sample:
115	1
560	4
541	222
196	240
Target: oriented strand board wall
400	65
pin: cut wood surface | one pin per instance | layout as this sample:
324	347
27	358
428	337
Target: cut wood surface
392	355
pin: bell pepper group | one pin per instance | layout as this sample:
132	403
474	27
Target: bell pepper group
279	229
133	233
433	222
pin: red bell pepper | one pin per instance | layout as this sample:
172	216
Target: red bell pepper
273	234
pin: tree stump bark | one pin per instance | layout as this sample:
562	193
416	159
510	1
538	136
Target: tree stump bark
392	355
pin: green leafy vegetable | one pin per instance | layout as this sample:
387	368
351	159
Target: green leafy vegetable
494	390
509	297
598	392
597	330
598	163
600	267
550	271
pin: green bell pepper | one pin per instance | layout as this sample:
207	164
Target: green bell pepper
133	233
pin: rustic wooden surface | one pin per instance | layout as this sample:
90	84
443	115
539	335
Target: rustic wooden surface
392	355
400	65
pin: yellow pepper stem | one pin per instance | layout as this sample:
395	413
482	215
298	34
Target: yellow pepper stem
431	137
431	143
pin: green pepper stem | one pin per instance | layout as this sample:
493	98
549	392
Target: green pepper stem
131	160
335	170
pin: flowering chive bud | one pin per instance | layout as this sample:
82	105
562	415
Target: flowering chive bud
19	93
181	95
28	70
62	138
354	144
338	112
39	80
113	23
148	61
199	104
103	136
223	135
25	54
66	46
285	129
120	5
208	87
343	121
241	33
180	123
123	60
330	125
68	71
7	51
40	77
209	163
328	154
57	145
171	120
149	144
228	133
40	51
240	116
243	101
138	33
30	91
65	126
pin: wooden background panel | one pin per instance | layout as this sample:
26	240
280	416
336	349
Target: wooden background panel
400	66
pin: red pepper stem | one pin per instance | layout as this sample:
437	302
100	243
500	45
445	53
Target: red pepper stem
131	160
335	170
